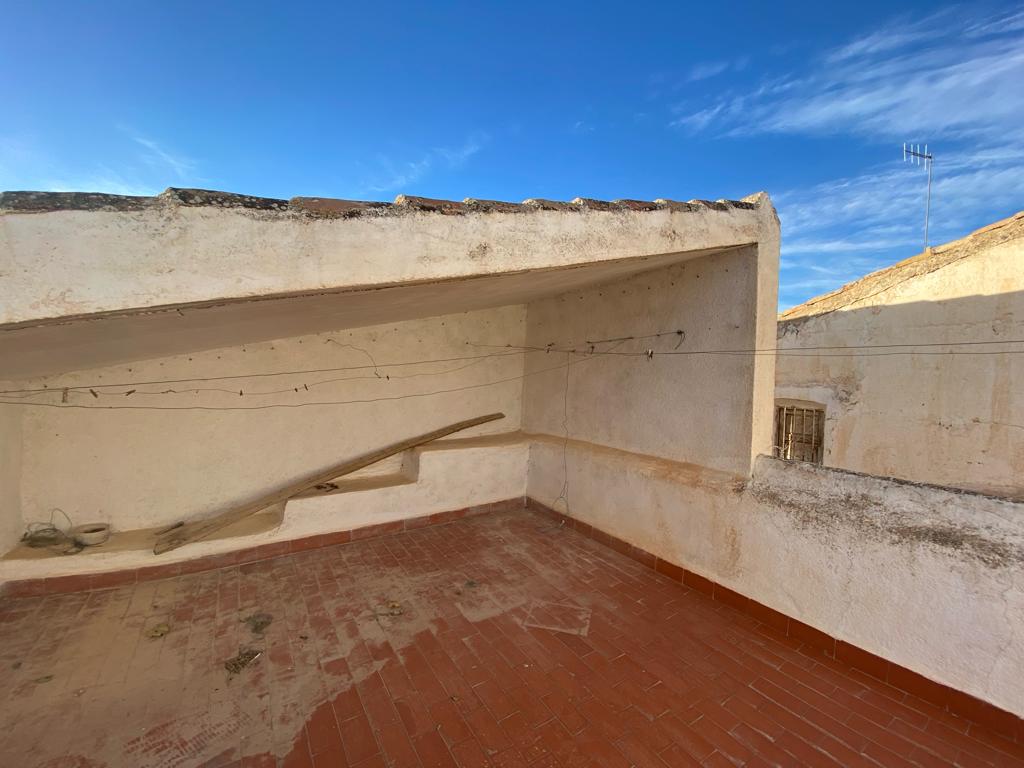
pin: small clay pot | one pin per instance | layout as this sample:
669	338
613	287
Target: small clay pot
90	534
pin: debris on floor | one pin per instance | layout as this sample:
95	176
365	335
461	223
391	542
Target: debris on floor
258	622
43	679
245	657
393	608
158	630
558	617
47	535
170	705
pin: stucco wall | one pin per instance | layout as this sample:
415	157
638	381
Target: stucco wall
658	455
76	255
955	420
11	525
684	404
141	468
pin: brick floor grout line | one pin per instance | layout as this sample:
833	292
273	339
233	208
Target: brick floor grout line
651	653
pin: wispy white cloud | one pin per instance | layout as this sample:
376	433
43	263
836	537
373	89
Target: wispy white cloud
25	165
903	80
841	245
900	33
707	69
845	228
950	79
393	176
102	180
1012	21
157	156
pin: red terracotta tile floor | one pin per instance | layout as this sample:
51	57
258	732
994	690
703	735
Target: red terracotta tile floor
502	640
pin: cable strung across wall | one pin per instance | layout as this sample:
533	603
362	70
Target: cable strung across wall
360	401
263	374
303	387
97	390
372	366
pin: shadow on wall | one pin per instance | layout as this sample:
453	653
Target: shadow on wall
951	415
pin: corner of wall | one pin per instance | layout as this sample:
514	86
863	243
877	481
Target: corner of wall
766	325
11	520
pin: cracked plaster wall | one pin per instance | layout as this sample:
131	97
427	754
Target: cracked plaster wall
11	525
955	420
650	452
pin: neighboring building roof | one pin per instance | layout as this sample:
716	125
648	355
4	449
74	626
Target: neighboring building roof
327	207
922	264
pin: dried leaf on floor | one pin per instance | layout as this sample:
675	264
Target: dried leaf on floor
258	622
245	657
158	630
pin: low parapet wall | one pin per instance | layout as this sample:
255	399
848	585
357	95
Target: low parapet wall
926	578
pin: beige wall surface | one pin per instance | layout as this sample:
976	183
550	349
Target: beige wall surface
159	251
655	452
141	468
686	407
450	477
11	525
955	420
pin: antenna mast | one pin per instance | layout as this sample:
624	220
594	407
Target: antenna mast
915	155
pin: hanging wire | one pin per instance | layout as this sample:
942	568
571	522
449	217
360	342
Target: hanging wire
589	348
48	535
269	406
261	374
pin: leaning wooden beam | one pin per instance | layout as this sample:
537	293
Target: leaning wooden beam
182	534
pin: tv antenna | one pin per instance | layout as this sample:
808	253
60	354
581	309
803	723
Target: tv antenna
915	155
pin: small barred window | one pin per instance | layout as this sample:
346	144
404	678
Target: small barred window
799	433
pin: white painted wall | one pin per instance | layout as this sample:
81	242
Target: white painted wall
11	524
658	455
451	478
58	263
955	420
686	407
141	468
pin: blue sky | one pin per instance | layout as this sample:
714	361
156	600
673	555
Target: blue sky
514	100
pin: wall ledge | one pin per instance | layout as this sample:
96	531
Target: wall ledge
85	582
969	527
819	468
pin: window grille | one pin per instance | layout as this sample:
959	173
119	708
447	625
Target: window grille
799	433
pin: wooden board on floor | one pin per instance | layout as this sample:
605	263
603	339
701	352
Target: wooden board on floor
200	529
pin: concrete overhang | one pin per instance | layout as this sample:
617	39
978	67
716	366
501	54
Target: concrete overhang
90	280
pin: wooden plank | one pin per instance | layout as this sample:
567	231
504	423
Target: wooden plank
200	529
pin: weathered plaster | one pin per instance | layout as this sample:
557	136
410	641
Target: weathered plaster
924	577
144	468
654	453
75	258
913	411
448	480
77	343
11	525
681	404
